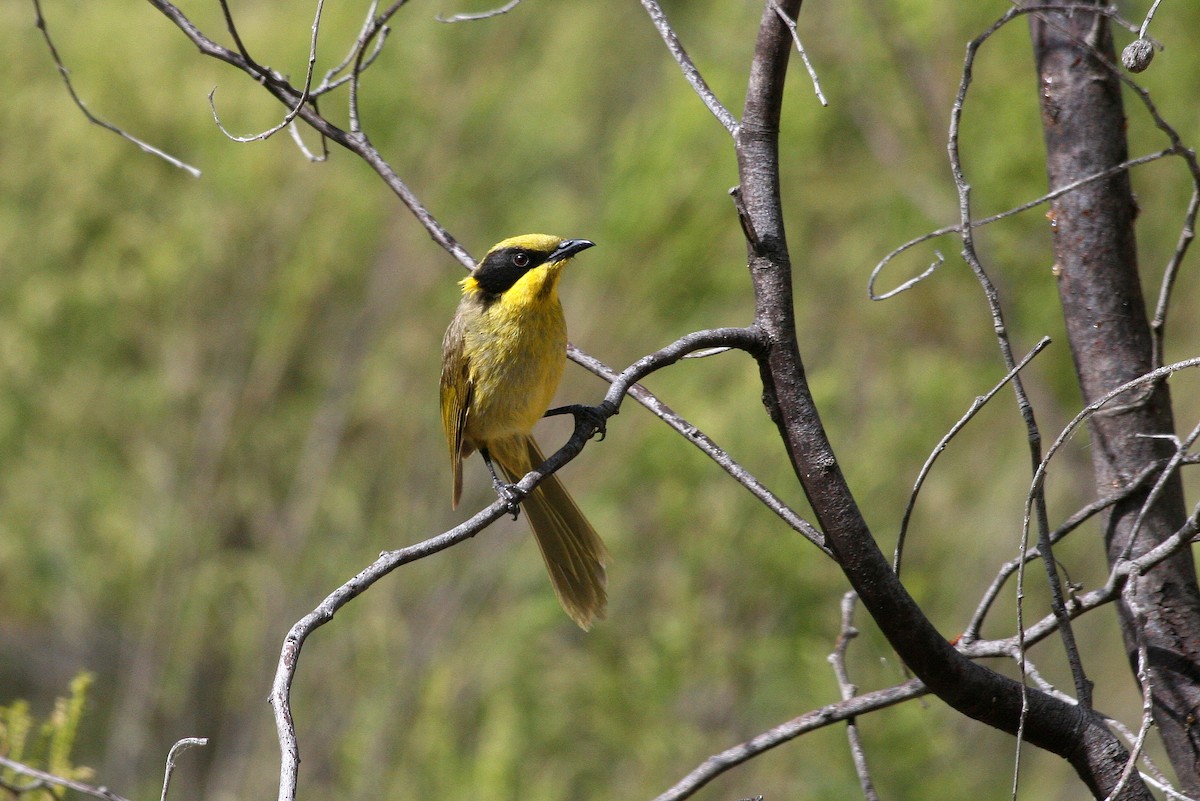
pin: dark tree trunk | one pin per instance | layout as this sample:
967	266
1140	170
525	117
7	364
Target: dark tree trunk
1096	262
1074	732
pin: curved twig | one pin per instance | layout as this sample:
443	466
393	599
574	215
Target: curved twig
1026	206
305	93
585	427
285	672
747	339
976	405
179	747
495	12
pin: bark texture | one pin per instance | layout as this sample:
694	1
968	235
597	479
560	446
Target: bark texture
1072	731
1100	290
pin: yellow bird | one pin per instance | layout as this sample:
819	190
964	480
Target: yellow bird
502	358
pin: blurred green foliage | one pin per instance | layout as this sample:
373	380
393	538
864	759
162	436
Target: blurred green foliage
44	746
217	396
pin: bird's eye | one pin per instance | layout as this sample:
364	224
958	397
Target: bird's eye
520	259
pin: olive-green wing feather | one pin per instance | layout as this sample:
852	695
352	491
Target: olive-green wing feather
456	391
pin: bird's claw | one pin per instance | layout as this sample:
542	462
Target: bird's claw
595	416
510	495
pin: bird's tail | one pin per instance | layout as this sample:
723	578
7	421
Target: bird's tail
574	554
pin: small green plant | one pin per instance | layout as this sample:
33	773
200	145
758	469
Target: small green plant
45	746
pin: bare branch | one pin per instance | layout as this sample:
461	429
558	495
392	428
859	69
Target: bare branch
838	659
388	561
294	130
280	697
690	72
331	81
747	339
971	633
179	747
1177	459
1085	602
234	34
1083	687
976	405
955	229
706	445
44	778
811	721
1144	679
1146	22
374	26
92	118
304	94
1186	234
1122	569
812	73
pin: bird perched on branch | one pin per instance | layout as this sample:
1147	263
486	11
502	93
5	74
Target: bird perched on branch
502	358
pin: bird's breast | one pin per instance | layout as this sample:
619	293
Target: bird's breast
517	357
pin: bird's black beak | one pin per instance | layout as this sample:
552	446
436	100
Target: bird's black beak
568	248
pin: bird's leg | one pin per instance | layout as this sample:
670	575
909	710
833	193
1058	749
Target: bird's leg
506	492
594	416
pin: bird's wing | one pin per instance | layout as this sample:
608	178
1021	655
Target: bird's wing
456	390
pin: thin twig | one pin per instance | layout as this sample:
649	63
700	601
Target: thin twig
717	764
812	73
971	633
1121	569
294	130
376	26
304	93
1146	22
179	747
707	446
1082	603
1177	458
846	633
231	26
331	81
1161	784
495	12
980	223
690	72
92	118
1037	497
1158	374
1147	685
49	778
976	405
1186	234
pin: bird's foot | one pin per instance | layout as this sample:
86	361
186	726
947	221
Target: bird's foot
510	495
595	417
